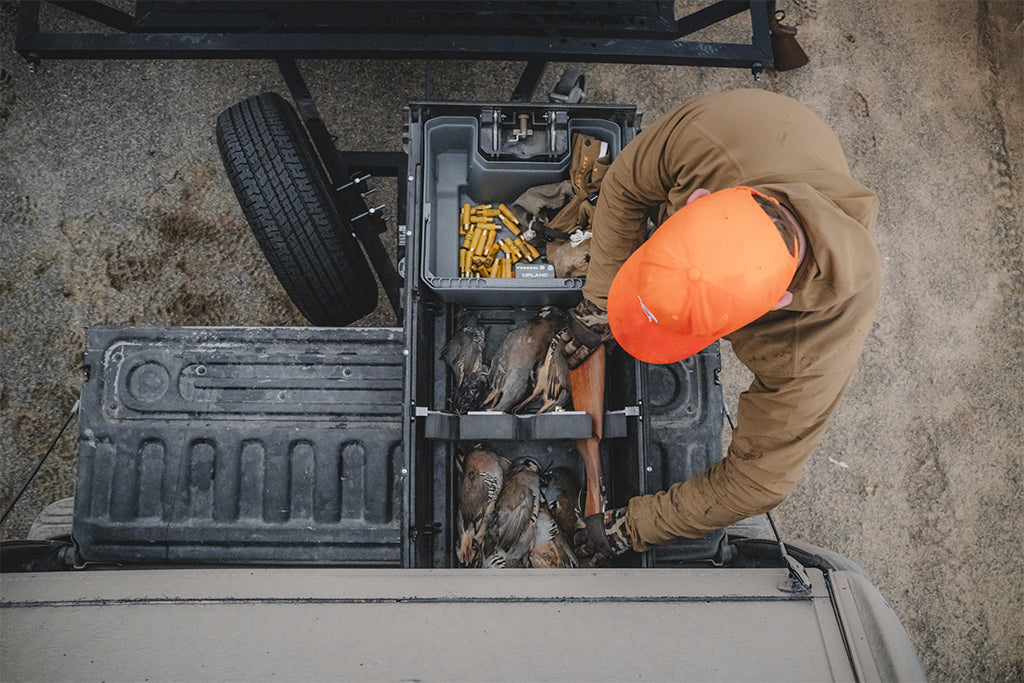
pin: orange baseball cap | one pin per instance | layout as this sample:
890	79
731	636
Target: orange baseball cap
714	266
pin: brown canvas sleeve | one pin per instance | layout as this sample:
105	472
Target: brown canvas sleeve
647	176
779	423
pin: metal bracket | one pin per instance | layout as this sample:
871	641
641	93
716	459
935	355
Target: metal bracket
430	529
524	133
797	580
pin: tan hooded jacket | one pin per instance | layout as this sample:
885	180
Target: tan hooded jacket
802	356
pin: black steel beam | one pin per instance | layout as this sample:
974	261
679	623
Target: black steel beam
712	15
28	26
528	80
376	46
387	164
97	11
759	25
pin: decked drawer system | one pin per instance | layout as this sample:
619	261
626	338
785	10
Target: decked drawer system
334	446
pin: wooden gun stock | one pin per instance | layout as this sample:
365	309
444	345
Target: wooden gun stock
587	383
786	52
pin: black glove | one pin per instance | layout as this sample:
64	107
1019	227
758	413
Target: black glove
605	535
586	330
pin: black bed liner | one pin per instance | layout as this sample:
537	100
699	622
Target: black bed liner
284	446
232	445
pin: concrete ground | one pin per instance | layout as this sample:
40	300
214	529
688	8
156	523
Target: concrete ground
114	209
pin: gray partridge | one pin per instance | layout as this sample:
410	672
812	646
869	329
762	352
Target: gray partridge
551	549
483	474
520	352
514	520
464	352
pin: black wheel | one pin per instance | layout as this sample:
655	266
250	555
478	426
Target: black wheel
571	87
285	198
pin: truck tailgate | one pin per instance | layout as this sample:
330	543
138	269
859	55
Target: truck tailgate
357	624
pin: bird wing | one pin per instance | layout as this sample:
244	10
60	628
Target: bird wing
515	513
464	353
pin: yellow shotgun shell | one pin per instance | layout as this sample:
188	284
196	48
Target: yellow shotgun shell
507	213
525	248
509	224
478	239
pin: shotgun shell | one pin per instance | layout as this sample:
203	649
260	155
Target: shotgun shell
528	247
478	239
508	224
516	253
507	213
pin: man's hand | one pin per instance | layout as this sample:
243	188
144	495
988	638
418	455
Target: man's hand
604	537
586	330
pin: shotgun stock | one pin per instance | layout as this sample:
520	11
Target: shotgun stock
587	383
786	52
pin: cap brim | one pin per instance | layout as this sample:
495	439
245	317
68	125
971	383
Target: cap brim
634	330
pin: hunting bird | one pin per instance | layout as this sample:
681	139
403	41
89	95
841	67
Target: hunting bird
561	489
464	355
513	365
483	474
551	548
552	379
513	525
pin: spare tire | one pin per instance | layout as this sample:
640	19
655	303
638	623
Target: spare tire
287	202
